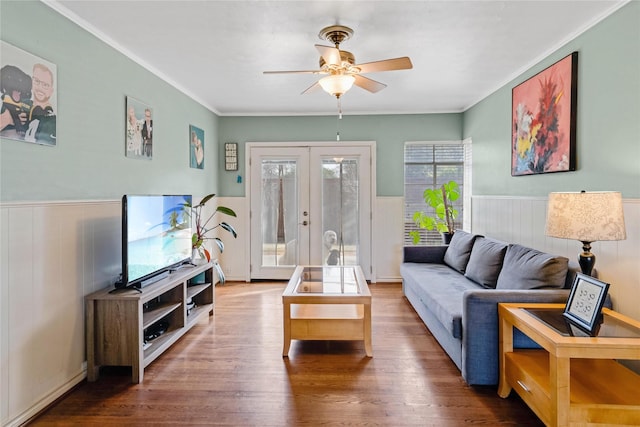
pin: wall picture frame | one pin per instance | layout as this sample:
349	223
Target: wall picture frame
585	302
29	104
196	147
138	130
231	156
543	120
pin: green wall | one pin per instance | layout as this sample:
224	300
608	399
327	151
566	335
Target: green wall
389	131
93	81
608	123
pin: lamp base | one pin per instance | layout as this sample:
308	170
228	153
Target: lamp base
586	259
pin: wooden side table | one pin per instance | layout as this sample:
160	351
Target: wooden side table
573	380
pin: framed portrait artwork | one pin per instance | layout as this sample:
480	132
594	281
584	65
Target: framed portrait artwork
585	302
138	130
543	120
196	147
29	99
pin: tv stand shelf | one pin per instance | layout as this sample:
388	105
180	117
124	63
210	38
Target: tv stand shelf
117	322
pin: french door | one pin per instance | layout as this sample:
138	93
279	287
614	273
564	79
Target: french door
310	204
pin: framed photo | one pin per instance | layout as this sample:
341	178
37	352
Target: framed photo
29	100
139	130
543	120
231	156
196	147
585	302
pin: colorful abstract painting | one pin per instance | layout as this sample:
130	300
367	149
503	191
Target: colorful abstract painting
544	120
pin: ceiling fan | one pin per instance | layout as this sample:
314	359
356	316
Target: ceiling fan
341	68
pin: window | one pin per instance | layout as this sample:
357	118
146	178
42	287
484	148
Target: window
429	165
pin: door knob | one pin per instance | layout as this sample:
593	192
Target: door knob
305	222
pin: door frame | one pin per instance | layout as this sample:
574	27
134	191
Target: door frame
371	274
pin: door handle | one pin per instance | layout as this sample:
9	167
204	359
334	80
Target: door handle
305	222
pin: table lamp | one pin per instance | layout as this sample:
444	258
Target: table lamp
587	217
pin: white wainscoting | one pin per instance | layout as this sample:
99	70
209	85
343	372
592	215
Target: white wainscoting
236	257
387	238
522	220
52	255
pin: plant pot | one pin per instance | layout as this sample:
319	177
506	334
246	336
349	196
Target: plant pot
198	257
446	238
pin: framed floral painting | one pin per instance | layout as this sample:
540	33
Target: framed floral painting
543	120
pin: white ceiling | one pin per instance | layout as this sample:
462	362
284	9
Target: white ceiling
216	51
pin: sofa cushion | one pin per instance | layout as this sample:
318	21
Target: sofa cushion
459	250
526	268
485	261
441	290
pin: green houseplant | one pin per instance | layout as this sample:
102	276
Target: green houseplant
440	200
203	226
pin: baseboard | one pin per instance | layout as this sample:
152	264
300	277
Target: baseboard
43	403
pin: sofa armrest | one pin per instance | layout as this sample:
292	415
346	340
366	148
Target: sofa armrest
424	254
480	328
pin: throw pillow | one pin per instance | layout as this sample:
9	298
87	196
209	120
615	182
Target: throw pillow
459	250
526	268
485	261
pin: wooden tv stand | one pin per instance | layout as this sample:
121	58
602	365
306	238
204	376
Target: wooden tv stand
116	321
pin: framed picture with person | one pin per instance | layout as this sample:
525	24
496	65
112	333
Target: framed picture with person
28	98
138	130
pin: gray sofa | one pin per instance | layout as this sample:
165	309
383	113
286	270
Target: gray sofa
456	289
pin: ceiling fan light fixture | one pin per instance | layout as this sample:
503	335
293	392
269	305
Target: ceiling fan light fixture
337	84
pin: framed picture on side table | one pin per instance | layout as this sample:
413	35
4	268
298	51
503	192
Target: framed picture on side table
585	302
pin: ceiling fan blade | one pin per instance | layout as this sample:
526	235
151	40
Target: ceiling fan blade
314	87
368	84
294	72
403	63
331	55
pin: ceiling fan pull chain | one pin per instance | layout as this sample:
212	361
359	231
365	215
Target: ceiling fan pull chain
338	120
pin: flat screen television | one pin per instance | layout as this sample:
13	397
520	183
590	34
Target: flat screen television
156	237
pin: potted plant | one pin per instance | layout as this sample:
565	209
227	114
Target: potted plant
202	227
440	200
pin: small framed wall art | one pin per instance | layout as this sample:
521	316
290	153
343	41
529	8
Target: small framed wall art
585	302
139	130
196	147
231	156
543	120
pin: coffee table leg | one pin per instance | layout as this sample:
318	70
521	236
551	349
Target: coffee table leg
286	316
367	330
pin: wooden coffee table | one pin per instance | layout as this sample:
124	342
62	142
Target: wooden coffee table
327	303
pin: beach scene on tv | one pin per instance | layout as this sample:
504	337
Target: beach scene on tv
158	233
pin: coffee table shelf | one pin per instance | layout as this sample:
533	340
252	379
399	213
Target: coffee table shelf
327	303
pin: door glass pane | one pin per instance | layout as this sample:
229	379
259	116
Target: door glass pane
279	213
340	211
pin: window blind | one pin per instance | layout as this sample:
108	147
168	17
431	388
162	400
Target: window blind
429	165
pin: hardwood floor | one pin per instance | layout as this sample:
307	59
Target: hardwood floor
229	370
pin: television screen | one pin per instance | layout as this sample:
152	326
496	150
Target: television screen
156	235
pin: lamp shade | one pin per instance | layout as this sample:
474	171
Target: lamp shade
337	84
586	216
